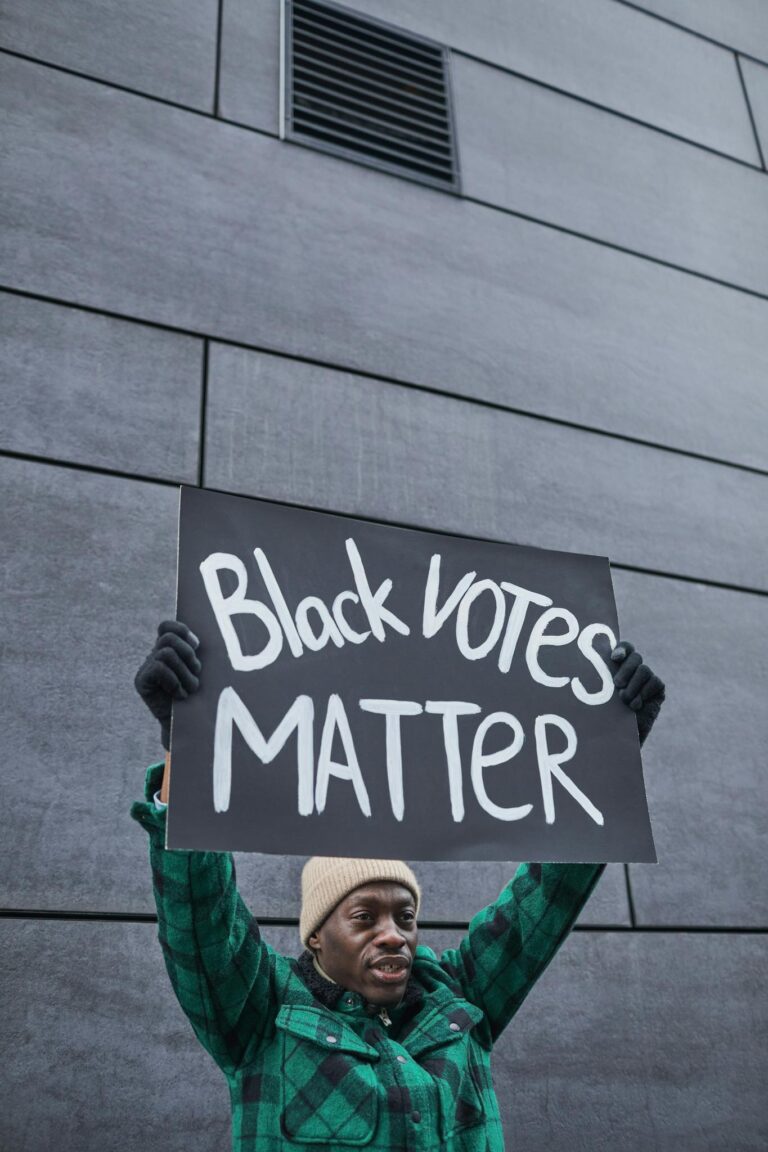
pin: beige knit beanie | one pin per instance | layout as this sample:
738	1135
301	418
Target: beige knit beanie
326	880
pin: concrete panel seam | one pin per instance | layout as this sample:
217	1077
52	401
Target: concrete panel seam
564	92
429	389
117	87
752	120
469	199
426	925
203	413
685	28
94	469
630	900
620	247
451	192
682	577
217	67
690	579
579	99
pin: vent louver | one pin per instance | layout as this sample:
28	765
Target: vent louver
364	90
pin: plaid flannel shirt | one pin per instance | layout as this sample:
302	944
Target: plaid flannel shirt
304	1075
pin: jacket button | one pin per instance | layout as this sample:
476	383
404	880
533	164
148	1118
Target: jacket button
402	1059
331	1039
416	1116
455	1027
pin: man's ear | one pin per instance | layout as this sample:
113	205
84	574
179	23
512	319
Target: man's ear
314	942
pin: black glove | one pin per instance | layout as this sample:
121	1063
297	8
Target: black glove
170	672
640	689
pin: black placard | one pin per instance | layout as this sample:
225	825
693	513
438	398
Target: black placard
383	692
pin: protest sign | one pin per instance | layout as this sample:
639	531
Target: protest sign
377	691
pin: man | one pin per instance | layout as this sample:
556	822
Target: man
368	1039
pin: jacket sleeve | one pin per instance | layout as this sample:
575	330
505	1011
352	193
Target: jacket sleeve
510	943
222	971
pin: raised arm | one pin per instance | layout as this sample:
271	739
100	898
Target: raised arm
221	970
510	943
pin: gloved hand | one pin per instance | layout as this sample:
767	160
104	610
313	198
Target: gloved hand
640	689
170	672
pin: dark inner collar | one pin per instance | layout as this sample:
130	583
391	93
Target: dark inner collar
329	994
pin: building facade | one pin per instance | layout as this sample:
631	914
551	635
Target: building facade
564	343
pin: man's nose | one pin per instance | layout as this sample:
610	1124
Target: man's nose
389	933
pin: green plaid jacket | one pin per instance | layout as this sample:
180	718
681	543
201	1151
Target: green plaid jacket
318	1072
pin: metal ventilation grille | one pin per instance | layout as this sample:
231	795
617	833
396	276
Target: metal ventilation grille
362	89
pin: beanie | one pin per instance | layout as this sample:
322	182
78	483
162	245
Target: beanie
326	880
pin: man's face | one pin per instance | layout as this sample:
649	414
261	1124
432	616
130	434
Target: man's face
367	944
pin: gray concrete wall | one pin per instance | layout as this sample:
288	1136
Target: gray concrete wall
571	354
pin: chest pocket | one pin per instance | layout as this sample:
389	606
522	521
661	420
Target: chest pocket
329	1086
445	1047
